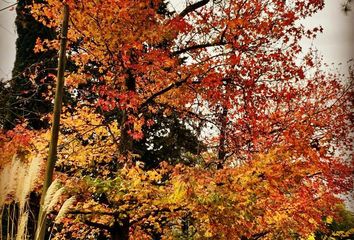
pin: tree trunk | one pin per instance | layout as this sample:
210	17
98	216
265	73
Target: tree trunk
223	126
222	140
126	141
120	231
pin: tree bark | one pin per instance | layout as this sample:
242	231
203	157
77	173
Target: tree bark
223	128
126	141
222	140
120	231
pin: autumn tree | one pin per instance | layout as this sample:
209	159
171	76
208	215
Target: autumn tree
279	144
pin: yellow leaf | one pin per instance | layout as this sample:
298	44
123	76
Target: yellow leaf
311	237
329	219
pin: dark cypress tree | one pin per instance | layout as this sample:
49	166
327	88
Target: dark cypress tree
168	140
30	75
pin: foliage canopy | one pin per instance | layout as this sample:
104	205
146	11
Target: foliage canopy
145	84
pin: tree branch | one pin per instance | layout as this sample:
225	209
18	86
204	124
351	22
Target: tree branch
97	225
259	235
155	212
198	46
10	6
162	91
94	212
193	7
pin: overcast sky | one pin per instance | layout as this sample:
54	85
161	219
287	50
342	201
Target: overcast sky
7	39
336	42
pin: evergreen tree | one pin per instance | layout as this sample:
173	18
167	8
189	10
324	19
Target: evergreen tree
32	72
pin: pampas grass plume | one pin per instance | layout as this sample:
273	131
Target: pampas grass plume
22	225
21	184
33	171
5	177
13	173
64	209
26	183
54	200
53	188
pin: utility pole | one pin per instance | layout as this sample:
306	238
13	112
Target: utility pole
52	155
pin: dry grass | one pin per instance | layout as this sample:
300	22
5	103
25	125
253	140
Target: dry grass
27	180
8	180
64	209
22	187
17	180
53	188
54	201
22	226
51	199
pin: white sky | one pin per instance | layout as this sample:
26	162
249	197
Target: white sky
7	39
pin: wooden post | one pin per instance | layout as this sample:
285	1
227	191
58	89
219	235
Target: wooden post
52	155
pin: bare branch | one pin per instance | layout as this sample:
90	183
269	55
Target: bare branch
193	7
164	90
198	46
97	225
